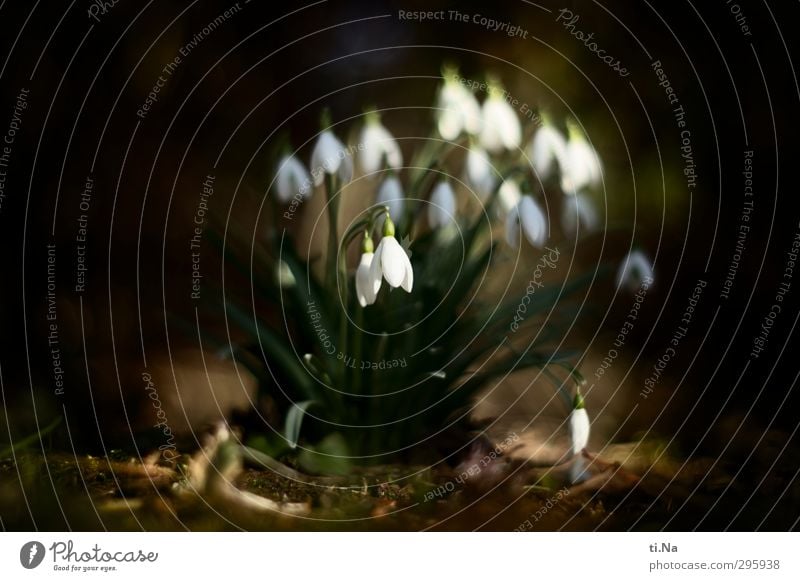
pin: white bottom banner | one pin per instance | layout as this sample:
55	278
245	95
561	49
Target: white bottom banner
389	556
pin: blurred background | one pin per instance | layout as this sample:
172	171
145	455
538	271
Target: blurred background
263	76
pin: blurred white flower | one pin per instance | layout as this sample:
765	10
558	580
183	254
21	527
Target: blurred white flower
292	179
579	212
480	173
548	148
527	215
509	196
366	287
332	157
378	144
459	111
442	207
581	166
391	261
634	271
501	128
284	275
391	194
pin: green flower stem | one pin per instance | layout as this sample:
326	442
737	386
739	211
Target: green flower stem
333	233
341	282
358	335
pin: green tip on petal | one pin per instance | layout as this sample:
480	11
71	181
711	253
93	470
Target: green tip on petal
495	87
388	225
574	130
449	71
325	119
371	115
367	246
578	403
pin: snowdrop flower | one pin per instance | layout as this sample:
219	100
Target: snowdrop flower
579	425
509	195
479	172
548	148
366	288
442	205
501	128
459	111
378	145
391	261
635	271
530	217
330	156
579	211
292	180
391	195
579	428
581	165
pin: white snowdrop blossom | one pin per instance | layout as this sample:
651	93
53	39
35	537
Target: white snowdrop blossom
579	427
547	149
442	207
581	166
459	111
579	430
579	212
635	271
501	128
378	145
391	195
292	180
529	216
330	156
391	261
366	288
508	195
480	173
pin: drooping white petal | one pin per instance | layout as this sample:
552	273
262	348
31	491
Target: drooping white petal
471	113
378	144
449	125
579	212
479	172
391	194
548	148
442	207
509	196
394	261
330	157
366	288
534	223
408	280
292	179
375	270
459	111
579	429
501	128
634	271
581	166
512	227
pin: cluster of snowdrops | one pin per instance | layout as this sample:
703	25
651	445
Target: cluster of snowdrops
504	166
